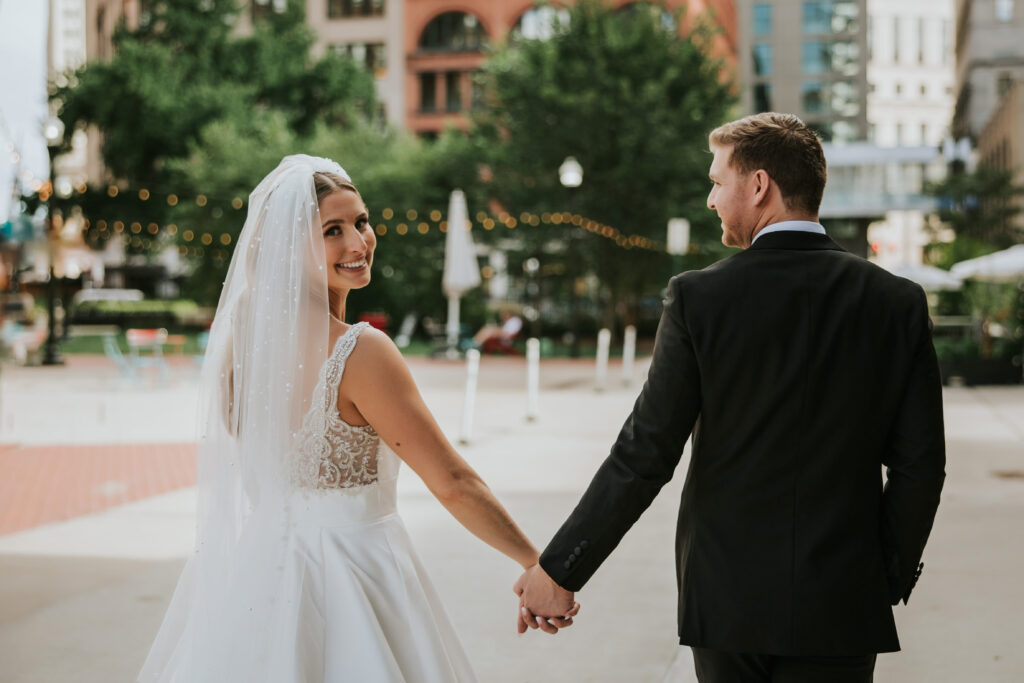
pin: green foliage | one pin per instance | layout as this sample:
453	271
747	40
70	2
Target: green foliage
981	205
633	102
184	70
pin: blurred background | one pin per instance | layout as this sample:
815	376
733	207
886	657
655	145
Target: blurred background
570	139
134	131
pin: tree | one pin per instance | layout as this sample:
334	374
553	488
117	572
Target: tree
633	102
185	77
981	206
184	68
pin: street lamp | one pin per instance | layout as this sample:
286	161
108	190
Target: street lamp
53	132
570	174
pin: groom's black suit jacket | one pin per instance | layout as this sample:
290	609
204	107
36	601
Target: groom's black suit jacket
800	370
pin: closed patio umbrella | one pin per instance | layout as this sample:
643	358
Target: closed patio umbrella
461	271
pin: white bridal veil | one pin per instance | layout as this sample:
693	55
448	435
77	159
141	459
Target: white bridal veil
228	620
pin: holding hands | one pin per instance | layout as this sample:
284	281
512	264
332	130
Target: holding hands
543	603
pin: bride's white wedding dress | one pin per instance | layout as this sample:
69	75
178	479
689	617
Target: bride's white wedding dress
364	608
342	597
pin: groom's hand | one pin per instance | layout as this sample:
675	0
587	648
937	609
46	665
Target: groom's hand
543	603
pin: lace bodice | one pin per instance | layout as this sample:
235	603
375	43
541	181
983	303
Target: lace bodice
330	453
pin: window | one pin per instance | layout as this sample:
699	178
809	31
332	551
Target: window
453	32
871	38
899	133
924	134
373	55
428	92
1003	84
830	97
762	59
1004	10
762	19
476	91
896	39
899	88
840	57
920	40
924	90
453	91
830	16
763	97
339	9
947	50
540	23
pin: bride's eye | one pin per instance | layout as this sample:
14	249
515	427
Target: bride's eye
332	231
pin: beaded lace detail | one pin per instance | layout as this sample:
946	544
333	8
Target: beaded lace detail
330	453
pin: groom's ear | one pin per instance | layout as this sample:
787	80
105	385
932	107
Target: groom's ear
762	183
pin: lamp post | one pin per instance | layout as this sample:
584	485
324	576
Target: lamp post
53	132
570	174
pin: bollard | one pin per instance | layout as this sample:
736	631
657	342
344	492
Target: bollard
472	373
628	354
532	378
604	340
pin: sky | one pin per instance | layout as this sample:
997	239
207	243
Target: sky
22	91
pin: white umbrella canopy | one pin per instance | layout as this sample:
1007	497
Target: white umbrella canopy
461	271
932	279
1002	266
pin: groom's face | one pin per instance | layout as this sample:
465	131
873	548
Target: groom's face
730	199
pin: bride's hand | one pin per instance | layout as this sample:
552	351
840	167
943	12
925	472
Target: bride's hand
543	603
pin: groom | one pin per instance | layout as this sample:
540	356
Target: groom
800	370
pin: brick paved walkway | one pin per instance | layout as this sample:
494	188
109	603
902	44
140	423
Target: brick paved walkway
43	484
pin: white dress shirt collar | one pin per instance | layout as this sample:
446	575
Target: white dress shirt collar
793	226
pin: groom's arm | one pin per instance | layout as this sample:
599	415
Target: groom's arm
642	459
915	464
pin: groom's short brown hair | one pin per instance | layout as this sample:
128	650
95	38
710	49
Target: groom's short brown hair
785	148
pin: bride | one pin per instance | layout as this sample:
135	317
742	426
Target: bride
302	569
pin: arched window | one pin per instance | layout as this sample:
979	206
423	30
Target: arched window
453	32
540	23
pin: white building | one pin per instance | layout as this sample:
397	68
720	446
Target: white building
910	73
68	51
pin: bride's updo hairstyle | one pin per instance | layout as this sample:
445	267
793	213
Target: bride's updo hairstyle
327	183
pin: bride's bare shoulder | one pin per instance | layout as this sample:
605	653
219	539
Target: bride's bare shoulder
374	352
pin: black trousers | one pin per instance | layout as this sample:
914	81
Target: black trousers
714	666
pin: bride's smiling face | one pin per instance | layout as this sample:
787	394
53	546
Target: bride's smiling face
349	240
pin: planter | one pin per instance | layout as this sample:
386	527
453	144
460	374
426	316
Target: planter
978	371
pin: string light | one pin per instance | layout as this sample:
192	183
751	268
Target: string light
143	194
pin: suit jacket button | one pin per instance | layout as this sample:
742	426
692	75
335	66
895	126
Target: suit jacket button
567	564
584	544
572	558
578	550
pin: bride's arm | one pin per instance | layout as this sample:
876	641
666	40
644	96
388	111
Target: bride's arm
379	385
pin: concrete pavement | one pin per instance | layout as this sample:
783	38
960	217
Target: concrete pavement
81	598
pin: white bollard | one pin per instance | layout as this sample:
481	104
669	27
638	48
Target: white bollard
604	340
472	373
532	378
628	354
